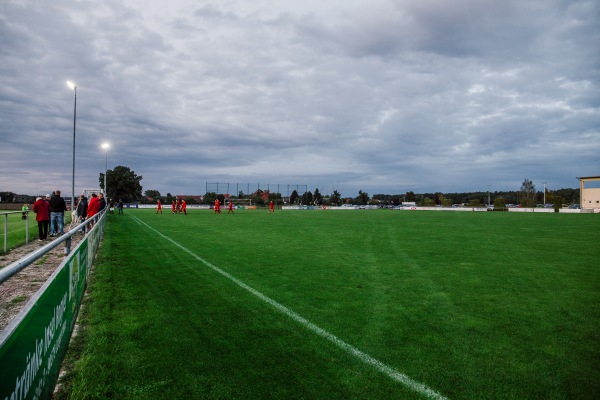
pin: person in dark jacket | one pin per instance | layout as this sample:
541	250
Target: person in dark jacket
57	214
82	207
102	201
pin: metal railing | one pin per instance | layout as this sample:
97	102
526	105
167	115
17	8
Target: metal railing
5	214
18	265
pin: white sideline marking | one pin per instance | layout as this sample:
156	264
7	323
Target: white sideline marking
364	357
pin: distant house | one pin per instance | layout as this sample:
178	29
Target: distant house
589	187
263	194
23	198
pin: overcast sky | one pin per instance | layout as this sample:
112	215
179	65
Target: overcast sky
375	95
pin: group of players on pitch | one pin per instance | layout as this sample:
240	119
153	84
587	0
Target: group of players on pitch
180	206
177	206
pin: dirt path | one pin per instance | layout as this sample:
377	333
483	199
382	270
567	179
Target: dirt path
18	289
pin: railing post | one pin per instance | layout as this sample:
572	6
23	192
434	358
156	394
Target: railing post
26	226
5	231
68	246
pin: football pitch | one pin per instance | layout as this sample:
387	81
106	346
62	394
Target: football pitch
380	304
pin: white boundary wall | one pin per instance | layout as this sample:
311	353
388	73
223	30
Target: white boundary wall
452	209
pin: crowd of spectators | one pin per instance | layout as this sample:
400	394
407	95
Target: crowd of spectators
50	212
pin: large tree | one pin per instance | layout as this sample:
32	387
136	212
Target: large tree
122	183
335	199
527	193
307	198
293	197
210	197
362	198
318	197
152	196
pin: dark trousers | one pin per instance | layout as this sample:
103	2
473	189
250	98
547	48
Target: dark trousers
43	229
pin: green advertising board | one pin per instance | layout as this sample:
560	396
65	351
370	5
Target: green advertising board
33	345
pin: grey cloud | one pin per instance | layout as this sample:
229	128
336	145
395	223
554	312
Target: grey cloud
399	95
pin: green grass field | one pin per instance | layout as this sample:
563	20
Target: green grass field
342	305
16	230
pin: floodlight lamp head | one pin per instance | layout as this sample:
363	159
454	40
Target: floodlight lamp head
72	85
105	146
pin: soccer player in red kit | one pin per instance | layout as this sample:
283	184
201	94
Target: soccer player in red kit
183	207
158	207
217	206
230	209
173	206
271	207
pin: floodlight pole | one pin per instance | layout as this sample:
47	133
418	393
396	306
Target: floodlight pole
488	195
74	88
545	194
105	146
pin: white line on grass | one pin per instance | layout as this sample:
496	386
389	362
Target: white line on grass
364	357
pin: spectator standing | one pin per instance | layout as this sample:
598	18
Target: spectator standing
41	208
102	202
57	214
111	206
82	207
93	208
120	206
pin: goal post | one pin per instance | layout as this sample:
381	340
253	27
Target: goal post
239	202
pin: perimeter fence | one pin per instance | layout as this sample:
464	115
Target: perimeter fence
285	189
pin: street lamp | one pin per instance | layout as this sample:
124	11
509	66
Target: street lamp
73	87
105	146
545	194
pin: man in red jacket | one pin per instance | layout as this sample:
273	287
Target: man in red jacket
93	208
41	208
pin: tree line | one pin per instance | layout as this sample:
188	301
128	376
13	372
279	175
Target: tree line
123	183
526	197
